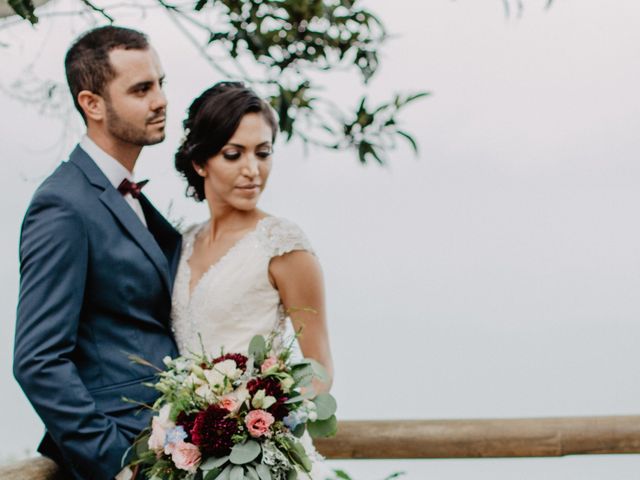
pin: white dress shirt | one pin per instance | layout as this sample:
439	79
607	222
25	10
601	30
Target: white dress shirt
114	171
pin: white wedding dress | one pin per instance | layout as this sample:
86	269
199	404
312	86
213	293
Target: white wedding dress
234	300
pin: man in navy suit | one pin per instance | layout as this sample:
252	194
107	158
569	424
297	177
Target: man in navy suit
97	263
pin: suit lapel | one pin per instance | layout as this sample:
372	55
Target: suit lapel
167	237
125	215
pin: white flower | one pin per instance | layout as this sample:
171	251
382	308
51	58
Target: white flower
229	369
215	378
206	392
193	381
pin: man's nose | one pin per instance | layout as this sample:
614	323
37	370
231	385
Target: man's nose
159	100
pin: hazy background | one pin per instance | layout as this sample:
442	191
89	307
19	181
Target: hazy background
497	275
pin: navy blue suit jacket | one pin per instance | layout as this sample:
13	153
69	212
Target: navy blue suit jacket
95	286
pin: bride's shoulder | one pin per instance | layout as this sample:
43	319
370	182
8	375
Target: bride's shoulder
190	231
280	236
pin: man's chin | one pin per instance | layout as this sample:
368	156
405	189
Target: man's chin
155	139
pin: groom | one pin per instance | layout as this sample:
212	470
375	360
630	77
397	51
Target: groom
97	263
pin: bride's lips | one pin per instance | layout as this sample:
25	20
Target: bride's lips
253	188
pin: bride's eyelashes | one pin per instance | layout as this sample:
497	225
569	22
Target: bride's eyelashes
235	155
231	155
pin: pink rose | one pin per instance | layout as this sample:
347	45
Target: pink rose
258	422
229	402
158	434
268	364
186	456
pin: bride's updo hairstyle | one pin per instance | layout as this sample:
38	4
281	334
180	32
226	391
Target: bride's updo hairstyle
211	121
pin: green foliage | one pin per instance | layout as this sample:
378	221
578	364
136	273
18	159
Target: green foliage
289	42
245	452
325	406
323	428
24	8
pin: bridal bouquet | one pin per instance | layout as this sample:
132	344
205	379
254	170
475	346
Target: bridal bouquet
234	417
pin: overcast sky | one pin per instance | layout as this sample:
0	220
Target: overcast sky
496	275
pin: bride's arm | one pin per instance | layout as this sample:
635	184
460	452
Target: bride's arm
298	278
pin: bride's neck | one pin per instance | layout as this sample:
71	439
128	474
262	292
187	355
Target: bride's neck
232	221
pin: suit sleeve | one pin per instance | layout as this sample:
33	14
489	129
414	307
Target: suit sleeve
54	253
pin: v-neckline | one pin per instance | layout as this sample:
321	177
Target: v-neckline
215	265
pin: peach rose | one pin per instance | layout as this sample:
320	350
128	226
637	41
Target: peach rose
230	402
186	456
269	364
258	422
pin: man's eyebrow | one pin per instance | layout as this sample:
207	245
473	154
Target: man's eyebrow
145	84
140	85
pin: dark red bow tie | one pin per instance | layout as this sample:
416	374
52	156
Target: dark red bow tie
132	187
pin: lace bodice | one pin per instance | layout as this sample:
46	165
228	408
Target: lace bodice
234	300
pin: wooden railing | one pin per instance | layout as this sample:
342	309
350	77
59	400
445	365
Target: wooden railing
396	439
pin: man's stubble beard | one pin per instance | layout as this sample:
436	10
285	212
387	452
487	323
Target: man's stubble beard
127	132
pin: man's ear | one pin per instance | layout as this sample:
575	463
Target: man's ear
92	105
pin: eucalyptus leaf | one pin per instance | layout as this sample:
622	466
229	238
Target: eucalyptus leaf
302	375
299	430
258	348
245	452
213	474
323	428
251	473
263	472
224	475
213	462
237	473
298	398
325	406
299	454
318	370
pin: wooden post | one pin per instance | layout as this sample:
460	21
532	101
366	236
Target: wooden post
533	437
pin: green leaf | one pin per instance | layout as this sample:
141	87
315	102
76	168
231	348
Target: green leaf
318	370
298	453
263	472
258	348
326	406
342	475
251	473
245	452
323	428
292	474
213	462
237	473
213	474
410	139
299	430
299	398
395	475
302	375
142	445
224	475
200	5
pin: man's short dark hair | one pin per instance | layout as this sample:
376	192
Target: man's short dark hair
87	61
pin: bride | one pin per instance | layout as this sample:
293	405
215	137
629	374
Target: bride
243	272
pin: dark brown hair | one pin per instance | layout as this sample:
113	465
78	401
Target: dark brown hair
87	61
211	121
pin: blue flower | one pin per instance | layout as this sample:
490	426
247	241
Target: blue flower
175	435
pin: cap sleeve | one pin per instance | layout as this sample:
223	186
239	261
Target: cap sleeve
283	236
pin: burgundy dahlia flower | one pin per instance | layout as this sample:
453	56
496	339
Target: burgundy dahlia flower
272	388
241	360
212	431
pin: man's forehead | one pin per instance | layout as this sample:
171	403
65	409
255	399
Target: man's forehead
136	64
